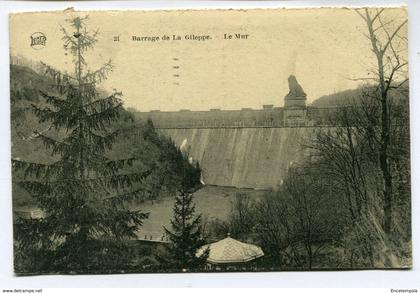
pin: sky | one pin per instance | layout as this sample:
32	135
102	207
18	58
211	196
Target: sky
323	48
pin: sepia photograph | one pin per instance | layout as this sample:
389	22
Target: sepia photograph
182	141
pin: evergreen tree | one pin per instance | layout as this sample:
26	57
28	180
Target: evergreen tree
83	192
186	235
173	169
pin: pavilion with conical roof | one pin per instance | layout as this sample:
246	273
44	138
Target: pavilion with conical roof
230	254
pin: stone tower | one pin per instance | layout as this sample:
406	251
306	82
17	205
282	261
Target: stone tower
294	104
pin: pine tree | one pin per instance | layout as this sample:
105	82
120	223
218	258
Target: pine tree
82	193
185	236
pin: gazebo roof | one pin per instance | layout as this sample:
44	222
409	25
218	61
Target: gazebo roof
230	250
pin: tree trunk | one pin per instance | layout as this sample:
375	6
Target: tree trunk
310	256
385	166
383	150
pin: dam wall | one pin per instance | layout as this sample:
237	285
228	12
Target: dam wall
244	157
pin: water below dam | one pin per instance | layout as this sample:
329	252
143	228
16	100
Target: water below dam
213	202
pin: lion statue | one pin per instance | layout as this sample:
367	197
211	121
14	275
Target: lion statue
295	90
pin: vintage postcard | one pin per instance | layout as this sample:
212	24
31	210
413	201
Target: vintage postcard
210	140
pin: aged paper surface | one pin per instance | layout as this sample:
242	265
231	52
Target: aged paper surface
210	140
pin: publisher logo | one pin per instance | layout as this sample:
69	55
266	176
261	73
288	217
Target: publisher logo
38	40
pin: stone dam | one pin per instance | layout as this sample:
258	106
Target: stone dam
246	148
256	158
